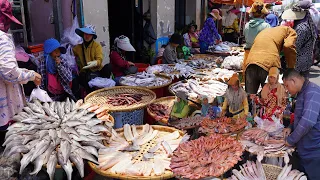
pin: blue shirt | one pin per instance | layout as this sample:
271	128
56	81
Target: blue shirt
209	32
306	132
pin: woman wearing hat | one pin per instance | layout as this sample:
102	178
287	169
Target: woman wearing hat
55	71
120	65
235	99
230	23
180	107
273	95
209	34
12	98
254	26
306	35
170	53
89	57
191	38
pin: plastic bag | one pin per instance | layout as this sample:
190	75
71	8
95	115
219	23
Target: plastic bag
100	82
40	94
71	59
70	36
273	127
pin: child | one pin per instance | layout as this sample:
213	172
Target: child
55	72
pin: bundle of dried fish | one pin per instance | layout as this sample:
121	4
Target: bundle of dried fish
144	79
57	133
258	141
222	125
255	171
124	99
195	89
187	123
139	151
209	156
160	110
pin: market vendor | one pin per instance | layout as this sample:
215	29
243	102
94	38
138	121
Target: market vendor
55	71
180	107
12	98
305	132
209	34
265	53
120	65
170	55
235	99
306	34
254	26
89	57
273	96
191	38
230	23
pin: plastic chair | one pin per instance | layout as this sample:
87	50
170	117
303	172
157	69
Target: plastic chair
161	41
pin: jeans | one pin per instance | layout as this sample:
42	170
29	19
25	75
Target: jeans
311	167
203	47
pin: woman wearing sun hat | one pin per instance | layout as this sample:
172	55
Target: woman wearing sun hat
254	26
118	60
12	97
209	34
306	35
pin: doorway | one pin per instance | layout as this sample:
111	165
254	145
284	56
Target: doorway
125	18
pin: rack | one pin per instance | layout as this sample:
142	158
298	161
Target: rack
18	10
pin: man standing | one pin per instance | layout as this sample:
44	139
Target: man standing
265	53
306	128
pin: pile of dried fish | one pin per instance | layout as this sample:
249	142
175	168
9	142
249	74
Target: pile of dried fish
233	62
209	156
124	99
255	171
214	74
144	79
194	89
144	152
202	64
260	142
161	111
187	123
177	71
222	125
57	133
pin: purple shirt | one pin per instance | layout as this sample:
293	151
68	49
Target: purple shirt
209	32
306	134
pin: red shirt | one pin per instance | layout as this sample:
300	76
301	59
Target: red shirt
118	64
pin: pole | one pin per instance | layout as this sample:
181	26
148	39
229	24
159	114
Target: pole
57	13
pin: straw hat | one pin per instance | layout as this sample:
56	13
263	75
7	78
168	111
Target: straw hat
274	72
216	14
258	7
234	80
289	14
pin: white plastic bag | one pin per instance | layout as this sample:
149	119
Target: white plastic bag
70	36
272	127
100	82
40	94
71	60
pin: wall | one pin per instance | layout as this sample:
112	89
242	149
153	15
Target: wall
193	11
97	14
165	17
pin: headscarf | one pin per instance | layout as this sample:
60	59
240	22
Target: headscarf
180	105
51	64
274	72
272	19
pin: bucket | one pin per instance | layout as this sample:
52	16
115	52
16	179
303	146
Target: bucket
141	66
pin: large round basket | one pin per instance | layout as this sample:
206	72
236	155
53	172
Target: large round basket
169	81
100	97
271	171
167	175
168	101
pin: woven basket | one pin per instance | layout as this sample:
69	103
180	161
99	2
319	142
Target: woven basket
271	171
100	97
162	76
169	101
163	130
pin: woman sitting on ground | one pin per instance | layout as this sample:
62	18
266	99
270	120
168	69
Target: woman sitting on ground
180	108
191	38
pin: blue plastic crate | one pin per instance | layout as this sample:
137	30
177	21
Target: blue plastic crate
132	117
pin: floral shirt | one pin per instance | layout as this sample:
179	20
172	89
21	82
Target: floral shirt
209	32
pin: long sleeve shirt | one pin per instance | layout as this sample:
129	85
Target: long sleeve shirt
306	128
170	55
12	98
244	106
184	113
209	32
64	72
118	64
